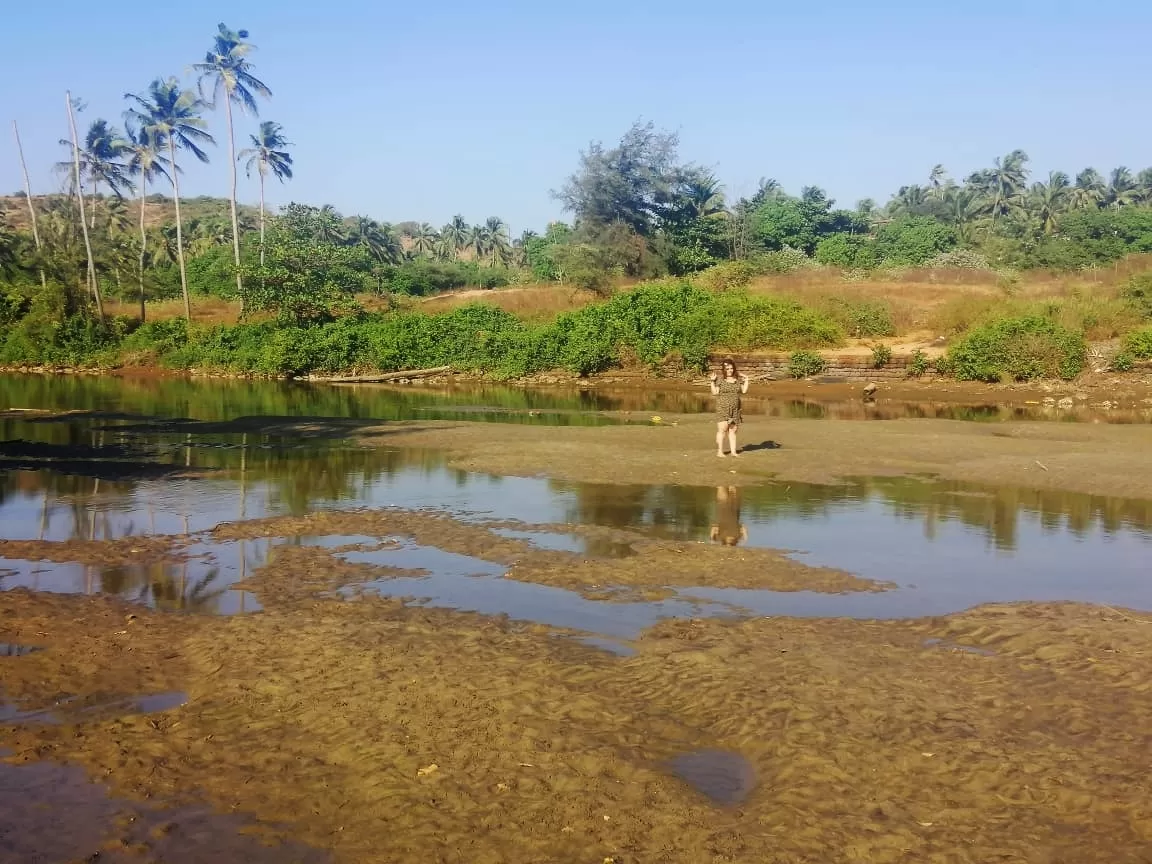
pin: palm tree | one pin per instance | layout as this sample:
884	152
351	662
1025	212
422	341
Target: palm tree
93	284
227	68
172	115
908	200
268	155
704	197
147	162
938	181
101	161
1122	189
1047	201
1089	189
496	241
962	207
477	241
1144	186
424	239
28	196
1003	184
379	240
454	236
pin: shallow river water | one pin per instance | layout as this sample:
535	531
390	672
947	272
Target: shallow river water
118	471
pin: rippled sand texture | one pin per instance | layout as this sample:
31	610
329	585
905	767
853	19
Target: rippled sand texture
382	732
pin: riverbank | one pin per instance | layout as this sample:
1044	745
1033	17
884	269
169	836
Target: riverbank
1118	389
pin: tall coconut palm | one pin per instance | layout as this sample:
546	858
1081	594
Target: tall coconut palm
424	239
146	161
477	241
268	155
454	236
908	200
173	115
101	161
28	196
938	181
1088	193
496	241
1003	185
380	241
1047	201
227	70
1144	186
1122	189
93	283
962	208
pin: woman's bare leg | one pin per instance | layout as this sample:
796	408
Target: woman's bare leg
732	438
720	427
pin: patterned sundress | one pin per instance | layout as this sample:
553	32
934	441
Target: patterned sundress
728	402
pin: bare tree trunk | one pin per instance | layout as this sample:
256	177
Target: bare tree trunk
143	239
28	195
261	216
80	196
235	221
179	230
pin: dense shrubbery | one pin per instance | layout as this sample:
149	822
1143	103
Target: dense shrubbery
1019	349
655	322
1138	344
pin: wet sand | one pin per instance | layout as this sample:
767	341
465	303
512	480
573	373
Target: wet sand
1098	459
386	733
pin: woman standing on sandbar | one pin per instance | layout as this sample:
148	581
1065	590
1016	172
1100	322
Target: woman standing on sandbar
727	388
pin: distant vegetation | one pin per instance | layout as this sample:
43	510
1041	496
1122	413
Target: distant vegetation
637	212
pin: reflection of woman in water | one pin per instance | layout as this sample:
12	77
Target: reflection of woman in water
728	528
727	389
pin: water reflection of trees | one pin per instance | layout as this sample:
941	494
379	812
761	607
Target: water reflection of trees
683	512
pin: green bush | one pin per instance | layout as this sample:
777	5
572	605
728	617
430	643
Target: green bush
1138	292
881	356
422	277
1020	349
805	364
727	275
652	323
851	251
1138	344
913	240
918	364
1122	362
862	319
784	260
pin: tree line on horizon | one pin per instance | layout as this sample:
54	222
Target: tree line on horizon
636	211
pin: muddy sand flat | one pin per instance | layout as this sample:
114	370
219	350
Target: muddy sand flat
1015	733
1092	458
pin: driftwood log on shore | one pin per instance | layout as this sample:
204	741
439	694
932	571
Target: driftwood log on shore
381	376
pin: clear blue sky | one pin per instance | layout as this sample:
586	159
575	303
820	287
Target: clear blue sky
414	111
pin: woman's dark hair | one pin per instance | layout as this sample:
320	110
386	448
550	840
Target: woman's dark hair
732	363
